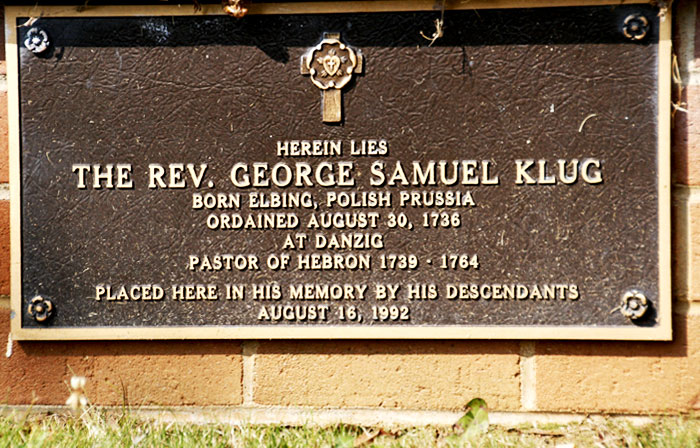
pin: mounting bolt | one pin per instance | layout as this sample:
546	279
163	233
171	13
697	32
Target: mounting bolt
634	304
37	41
635	27
40	309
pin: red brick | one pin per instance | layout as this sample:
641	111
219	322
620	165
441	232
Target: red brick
2	35
4	247
4	147
686	139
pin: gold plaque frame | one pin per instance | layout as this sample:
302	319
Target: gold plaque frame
663	331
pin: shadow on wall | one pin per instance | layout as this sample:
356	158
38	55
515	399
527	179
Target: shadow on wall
680	138
686	127
211	372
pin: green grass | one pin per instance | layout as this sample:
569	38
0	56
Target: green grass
95	428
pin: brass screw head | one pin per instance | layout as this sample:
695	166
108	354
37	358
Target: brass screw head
635	27
37	41
40	309
634	304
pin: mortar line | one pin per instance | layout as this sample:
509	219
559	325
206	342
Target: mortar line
249	349
528	391
686	308
685	192
303	415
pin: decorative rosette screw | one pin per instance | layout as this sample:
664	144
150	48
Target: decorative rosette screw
37	41
635	27
634	304
40	309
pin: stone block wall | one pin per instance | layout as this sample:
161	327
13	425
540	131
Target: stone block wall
520	376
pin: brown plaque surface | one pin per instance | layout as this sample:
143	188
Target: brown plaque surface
196	177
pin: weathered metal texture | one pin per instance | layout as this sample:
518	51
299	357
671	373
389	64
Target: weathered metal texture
498	86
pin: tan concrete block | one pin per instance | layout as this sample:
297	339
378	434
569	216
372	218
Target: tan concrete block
140	372
4	148
167	373
37	372
387	374
686	244
629	377
4	247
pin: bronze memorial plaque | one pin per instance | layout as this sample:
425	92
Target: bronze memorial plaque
340	170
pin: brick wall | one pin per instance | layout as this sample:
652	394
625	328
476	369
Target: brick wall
631	377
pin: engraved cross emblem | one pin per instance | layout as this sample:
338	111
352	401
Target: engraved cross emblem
330	65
